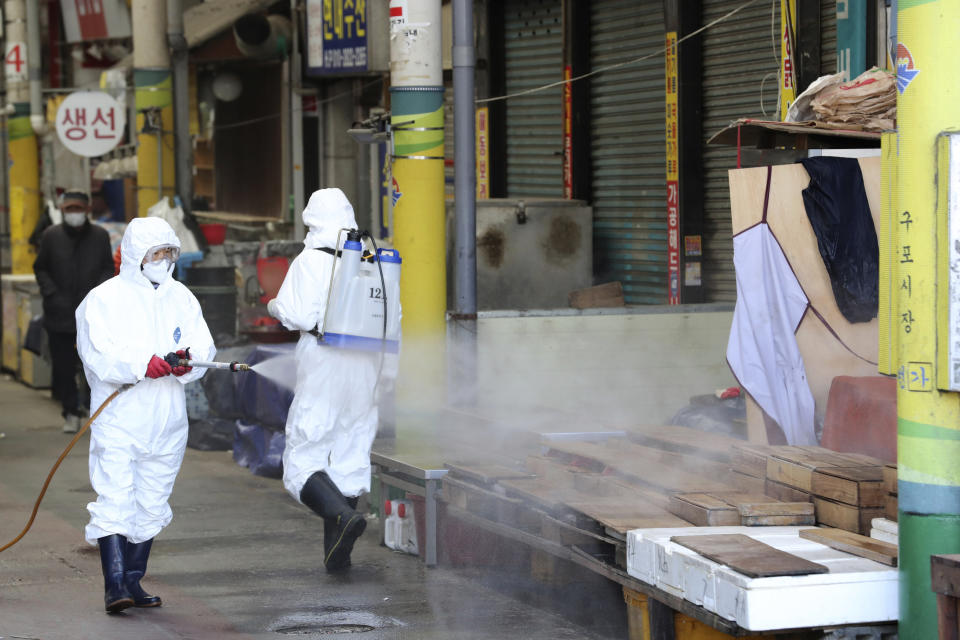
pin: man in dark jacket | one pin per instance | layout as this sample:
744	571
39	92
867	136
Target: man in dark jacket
73	258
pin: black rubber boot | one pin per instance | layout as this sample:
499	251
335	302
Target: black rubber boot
115	595
330	529
345	525
134	570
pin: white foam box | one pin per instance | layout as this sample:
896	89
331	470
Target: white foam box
855	591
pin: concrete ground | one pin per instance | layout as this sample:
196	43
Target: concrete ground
240	559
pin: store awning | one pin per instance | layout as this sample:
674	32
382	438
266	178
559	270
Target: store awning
209	19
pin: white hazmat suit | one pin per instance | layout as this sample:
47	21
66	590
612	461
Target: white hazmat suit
333	417
138	442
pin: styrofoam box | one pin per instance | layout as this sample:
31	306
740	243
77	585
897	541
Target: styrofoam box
856	590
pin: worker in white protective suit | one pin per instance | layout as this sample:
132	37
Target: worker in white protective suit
124	328
333	417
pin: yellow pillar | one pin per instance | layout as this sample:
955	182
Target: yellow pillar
24	181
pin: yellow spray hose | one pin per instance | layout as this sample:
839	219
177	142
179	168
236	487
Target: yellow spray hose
56	465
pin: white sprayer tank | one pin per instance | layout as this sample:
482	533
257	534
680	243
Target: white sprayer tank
360	298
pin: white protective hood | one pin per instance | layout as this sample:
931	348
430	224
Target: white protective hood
327	212
141	235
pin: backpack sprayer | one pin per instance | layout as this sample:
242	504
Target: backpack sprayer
363	300
174	361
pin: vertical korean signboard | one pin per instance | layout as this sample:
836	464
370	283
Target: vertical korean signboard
483	152
567	135
788	76
673	174
336	36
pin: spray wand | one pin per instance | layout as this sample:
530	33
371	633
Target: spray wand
175	360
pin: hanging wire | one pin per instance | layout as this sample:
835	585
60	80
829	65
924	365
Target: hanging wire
271	116
618	65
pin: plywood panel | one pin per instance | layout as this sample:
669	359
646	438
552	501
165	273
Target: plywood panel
750	557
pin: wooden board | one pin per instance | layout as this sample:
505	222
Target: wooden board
854	544
785	493
890	478
702	444
703	510
637	465
844	348
750	459
542	493
857	486
621	516
945	574
485	473
602	295
748	556
845	516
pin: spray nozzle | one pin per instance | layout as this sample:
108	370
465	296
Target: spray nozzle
354	235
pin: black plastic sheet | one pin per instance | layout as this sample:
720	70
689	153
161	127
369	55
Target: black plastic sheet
836	204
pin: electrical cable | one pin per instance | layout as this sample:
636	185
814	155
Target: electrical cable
619	64
56	465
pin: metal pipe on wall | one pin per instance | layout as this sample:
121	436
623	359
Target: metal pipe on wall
465	175
296	125
462	330
182	145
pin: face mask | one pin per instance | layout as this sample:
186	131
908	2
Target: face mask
157	272
74	219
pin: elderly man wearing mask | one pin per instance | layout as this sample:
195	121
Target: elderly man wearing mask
72	258
124	327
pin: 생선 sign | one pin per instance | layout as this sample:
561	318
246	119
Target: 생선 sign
90	123
336	36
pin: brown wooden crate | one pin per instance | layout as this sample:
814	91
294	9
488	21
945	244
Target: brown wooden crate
785	493
791	473
703	510
857	486
750	459
743	482
945	574
845	516
890	508
890	477
776	509
796	520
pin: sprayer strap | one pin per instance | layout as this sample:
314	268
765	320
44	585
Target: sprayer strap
366	257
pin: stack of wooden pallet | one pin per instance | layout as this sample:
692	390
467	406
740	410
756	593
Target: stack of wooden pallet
846	489
890	485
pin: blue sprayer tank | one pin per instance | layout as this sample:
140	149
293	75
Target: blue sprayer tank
359	298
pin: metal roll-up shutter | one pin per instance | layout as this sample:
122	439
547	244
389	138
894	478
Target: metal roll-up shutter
628	148
828	37
741	56
533	57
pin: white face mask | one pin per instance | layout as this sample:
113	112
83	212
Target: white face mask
74	219
157	272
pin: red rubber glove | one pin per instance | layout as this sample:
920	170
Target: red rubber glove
157	367
179	371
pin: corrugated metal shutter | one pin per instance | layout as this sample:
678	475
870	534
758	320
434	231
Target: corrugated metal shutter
628	152
740	60
533	57
828	37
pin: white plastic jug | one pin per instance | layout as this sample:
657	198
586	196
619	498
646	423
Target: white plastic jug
400	528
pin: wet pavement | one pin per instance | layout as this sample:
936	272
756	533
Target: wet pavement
241	559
